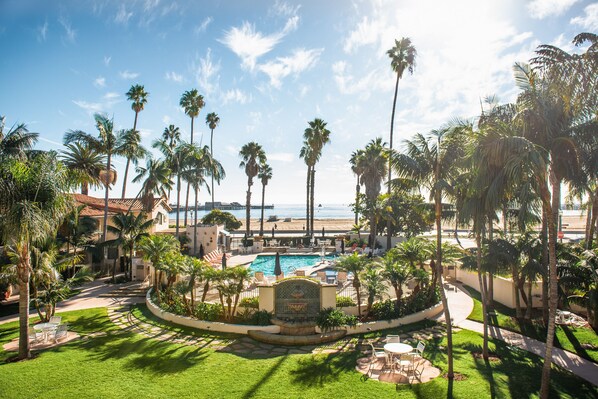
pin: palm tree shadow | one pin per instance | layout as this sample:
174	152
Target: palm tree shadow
266	376
318	370
575	342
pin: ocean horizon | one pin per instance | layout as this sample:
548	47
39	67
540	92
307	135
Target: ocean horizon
295	211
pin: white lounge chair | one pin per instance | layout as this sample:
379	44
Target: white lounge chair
61	332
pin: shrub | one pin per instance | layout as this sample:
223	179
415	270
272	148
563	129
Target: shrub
208	311
261	318
385	310
344	302
332	319
250	302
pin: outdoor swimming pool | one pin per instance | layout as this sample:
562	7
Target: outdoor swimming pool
288	263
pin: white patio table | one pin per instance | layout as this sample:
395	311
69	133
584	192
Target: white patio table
45	328
397	349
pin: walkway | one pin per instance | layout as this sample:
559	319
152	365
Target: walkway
96	294
461	305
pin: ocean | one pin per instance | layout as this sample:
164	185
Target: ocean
295	211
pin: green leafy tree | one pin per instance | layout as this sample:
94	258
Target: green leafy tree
85	165
131	148
155	180
155	248
396	272
16	142
373	282
252	155
216	216
354	264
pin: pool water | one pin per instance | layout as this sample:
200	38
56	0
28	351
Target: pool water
288	263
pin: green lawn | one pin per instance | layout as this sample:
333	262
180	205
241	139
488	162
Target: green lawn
568	338
124	365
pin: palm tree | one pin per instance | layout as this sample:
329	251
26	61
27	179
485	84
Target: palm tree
431	161
316	136
402	57
212	120
156	181
85	165
177	165
373	282
171	137
354	161
131	148
155	248
195	269
77	231
265	174
106	143
133	151
197	166
310	158
17	141
129	230
32	205
372	163
396	272
253	155
354	264
192	102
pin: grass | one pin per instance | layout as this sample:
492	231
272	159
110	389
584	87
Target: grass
125	364
566	337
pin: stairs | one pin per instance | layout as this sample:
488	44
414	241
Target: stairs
131	291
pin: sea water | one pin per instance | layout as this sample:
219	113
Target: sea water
295	211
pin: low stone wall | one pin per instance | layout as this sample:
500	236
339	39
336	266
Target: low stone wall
383	324
205	325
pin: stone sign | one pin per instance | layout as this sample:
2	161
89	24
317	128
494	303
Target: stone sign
296	300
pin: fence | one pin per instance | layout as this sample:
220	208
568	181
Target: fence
250	293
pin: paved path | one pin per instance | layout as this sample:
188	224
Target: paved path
89	297
461	304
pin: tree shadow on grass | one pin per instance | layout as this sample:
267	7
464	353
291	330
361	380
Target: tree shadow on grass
146	354
266	376
317	370
575	342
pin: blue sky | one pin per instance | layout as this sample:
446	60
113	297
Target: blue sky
267	68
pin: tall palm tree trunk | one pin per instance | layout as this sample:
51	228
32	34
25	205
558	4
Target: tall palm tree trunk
593	220
544	238
195	223
313	183
490	292
478	240
212	156
178	202
85	188
447	314
307	219
128	160
515	274
392	122
107	186
187	195
553	288
23	270
262	214
248	207
357	190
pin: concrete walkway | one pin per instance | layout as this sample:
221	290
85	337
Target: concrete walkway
461	305
89	297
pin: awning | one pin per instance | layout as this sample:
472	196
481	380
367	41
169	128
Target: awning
226	233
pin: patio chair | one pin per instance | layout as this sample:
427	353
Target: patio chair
377	354
405	362
61	332
35	336
55	319
418	358
390	339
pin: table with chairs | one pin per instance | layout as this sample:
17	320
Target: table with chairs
398	357
44	332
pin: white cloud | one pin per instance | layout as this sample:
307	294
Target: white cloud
107	60
366	32
100	81
122	16
166	120
107	102
590	20
540	9
111	96
281	156
206	73
249	44
284	9
128	75
173	76
232	150
42	31
236	95
255	121
91	108
300	60
70	33
375	80
203	25
145	133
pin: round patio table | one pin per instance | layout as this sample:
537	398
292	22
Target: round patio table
397	348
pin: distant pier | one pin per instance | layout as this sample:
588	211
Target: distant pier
224	206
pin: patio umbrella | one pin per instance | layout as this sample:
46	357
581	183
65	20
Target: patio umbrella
272	231
202	251
224	261
342	245
323	231
277	269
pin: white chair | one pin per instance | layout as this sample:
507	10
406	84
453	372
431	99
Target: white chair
405	362
61	333
377	354
393	339
34	336
55	319
418	358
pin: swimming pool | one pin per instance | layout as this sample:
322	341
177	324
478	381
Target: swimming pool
288	263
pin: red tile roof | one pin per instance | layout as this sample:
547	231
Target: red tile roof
95	206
